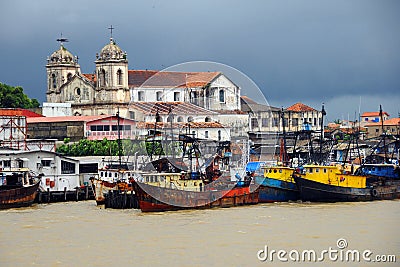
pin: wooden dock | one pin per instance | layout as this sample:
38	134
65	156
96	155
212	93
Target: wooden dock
79	194
116	199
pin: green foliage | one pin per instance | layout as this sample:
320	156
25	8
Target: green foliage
14	97
103	147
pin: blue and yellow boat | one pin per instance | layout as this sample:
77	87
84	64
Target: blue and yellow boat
276	184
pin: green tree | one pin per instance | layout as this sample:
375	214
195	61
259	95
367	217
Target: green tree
14	97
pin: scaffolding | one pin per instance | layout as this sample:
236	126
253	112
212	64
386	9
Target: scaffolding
13	131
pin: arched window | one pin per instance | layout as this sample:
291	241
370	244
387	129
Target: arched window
222	96
54	80
159	119
190	119
208	119
119	77
69	76
180	119
102	77
170	118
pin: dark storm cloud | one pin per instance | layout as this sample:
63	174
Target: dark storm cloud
310	51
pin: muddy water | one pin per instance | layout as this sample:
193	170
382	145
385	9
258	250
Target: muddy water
82	234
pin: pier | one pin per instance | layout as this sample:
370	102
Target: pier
79	194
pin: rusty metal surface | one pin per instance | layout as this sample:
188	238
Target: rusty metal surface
18	197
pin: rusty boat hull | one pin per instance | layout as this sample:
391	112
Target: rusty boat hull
158	199
17	196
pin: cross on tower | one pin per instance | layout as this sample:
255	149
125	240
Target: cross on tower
111	29
61	40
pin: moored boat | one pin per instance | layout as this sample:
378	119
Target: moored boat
153	198
277	184
331	184
110	179
17	189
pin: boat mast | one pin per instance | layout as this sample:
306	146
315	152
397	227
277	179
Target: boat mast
323	112
171	116
283	156
383	132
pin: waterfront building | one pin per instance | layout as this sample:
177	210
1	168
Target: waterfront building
113	86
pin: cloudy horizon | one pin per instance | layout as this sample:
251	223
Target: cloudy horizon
332	52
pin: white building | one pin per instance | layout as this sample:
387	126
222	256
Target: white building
57	172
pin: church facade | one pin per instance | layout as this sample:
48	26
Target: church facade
112	87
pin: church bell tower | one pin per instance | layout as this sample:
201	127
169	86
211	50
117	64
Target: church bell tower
112	74
61	67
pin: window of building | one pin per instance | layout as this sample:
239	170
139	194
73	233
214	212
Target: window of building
315	121
264	122
208	119
54	80
222	96
46	162
205	134
141	96
114	128
6	163
78	91
180	119
102	76
219	135
190	119
159	96
132	115
295	122
177	96
254	122
119	77
67	167
20	163
275	122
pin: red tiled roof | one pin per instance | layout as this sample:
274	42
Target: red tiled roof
300	107
18	112
164	107
66	118
90	76
373	114
153	78
333	125
390	122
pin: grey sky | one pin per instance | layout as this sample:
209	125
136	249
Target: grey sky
296	51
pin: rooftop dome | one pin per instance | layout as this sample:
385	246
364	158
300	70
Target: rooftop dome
111	51
62	55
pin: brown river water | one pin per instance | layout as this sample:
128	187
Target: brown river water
83	234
